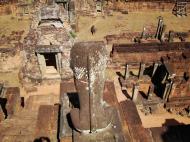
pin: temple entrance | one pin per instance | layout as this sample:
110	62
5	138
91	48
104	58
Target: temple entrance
49	63
50	60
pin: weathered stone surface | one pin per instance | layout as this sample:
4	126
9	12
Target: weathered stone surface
47	35
146	52
47	122
35	101
13	104
110	99
88	61
132	118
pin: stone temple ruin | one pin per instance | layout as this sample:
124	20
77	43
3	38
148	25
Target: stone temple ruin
161	90
126	82
48	45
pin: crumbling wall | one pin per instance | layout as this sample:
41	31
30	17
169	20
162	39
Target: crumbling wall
145	52
30	70
10	60
66	70
134	6
10	102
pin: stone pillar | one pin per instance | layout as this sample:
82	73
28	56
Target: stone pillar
171	36
165	77
141	70
126	76
167	90
160	24
150	91
135	92
58	62
172	89
71	11
143	33
42	63
88	62
155	66
162	32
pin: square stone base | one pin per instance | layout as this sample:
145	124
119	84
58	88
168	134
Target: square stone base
113	133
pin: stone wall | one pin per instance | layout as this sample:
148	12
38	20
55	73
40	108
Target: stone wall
10	60
135	6
146	52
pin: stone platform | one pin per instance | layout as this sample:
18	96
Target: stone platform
112	133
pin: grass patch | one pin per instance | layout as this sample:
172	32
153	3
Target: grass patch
72	34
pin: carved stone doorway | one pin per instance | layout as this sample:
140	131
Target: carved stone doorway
50	64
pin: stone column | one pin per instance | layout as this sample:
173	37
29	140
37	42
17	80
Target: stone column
160	24
143	33
167	90
155	66
141	70
42	63
150	91
126	76
172	89
162	31
58	62
165	77
171	36
88	62
135	92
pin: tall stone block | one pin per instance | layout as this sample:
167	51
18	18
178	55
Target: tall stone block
88	61
135	92
150	91
126	75
155	66
141	70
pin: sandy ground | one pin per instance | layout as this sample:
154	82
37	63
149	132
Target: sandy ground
158	120
134	22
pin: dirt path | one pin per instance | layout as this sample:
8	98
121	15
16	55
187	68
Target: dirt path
164	118
132	22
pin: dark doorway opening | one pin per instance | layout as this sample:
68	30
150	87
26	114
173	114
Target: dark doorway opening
50	59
